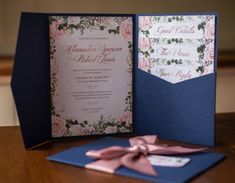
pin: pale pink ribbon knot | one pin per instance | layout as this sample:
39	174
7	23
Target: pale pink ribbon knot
135	156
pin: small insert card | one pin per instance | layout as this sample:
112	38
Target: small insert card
178	47
91	74
168	161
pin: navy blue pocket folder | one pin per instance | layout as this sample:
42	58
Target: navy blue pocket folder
199	162
182	111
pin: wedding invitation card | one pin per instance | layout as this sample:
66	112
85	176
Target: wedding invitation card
177	48
91	74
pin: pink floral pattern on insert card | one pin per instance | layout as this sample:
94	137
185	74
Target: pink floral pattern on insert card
177	48
91	75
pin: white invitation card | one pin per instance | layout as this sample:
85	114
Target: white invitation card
91	75
176	48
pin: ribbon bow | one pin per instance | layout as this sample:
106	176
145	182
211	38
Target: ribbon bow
135	156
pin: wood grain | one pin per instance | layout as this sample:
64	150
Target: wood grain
18	165
6	65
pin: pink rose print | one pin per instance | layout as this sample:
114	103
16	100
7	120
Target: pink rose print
86	131
73	20
126	117
98	21
209	69
126	30
145	22
145	63
145	43
54	32
110	129
105	21
109	22
58	126
209	52
210	29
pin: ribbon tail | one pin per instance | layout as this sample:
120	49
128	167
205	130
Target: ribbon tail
104	165
107	153
169	150
140	164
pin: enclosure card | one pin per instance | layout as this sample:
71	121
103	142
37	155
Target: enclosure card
177	48
91	75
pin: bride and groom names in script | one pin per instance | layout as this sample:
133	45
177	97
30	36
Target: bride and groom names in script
98	53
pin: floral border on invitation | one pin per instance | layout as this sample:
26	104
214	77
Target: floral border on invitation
180	68
66	25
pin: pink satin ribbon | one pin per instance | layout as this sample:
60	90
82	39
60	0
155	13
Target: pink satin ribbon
135	156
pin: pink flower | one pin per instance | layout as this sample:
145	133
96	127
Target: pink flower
109	22
144	43
126	117
98	21
126	30
58	126
145	22
210	29
105	21
85	131
110	129
53	29
54	32
209	69
145	63
209	52
73	20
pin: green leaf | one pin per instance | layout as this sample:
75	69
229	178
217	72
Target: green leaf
113	31
65	18
60	27
65	25
102	27
200	69
147	54
51	19
67	125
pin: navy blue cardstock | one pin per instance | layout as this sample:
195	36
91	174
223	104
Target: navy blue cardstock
31	79
183	111
199	162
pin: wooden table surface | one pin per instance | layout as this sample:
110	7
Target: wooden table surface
18	165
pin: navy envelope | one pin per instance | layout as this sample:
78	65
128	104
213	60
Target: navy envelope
199	162
183	111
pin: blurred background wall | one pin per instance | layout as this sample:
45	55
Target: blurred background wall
10	11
